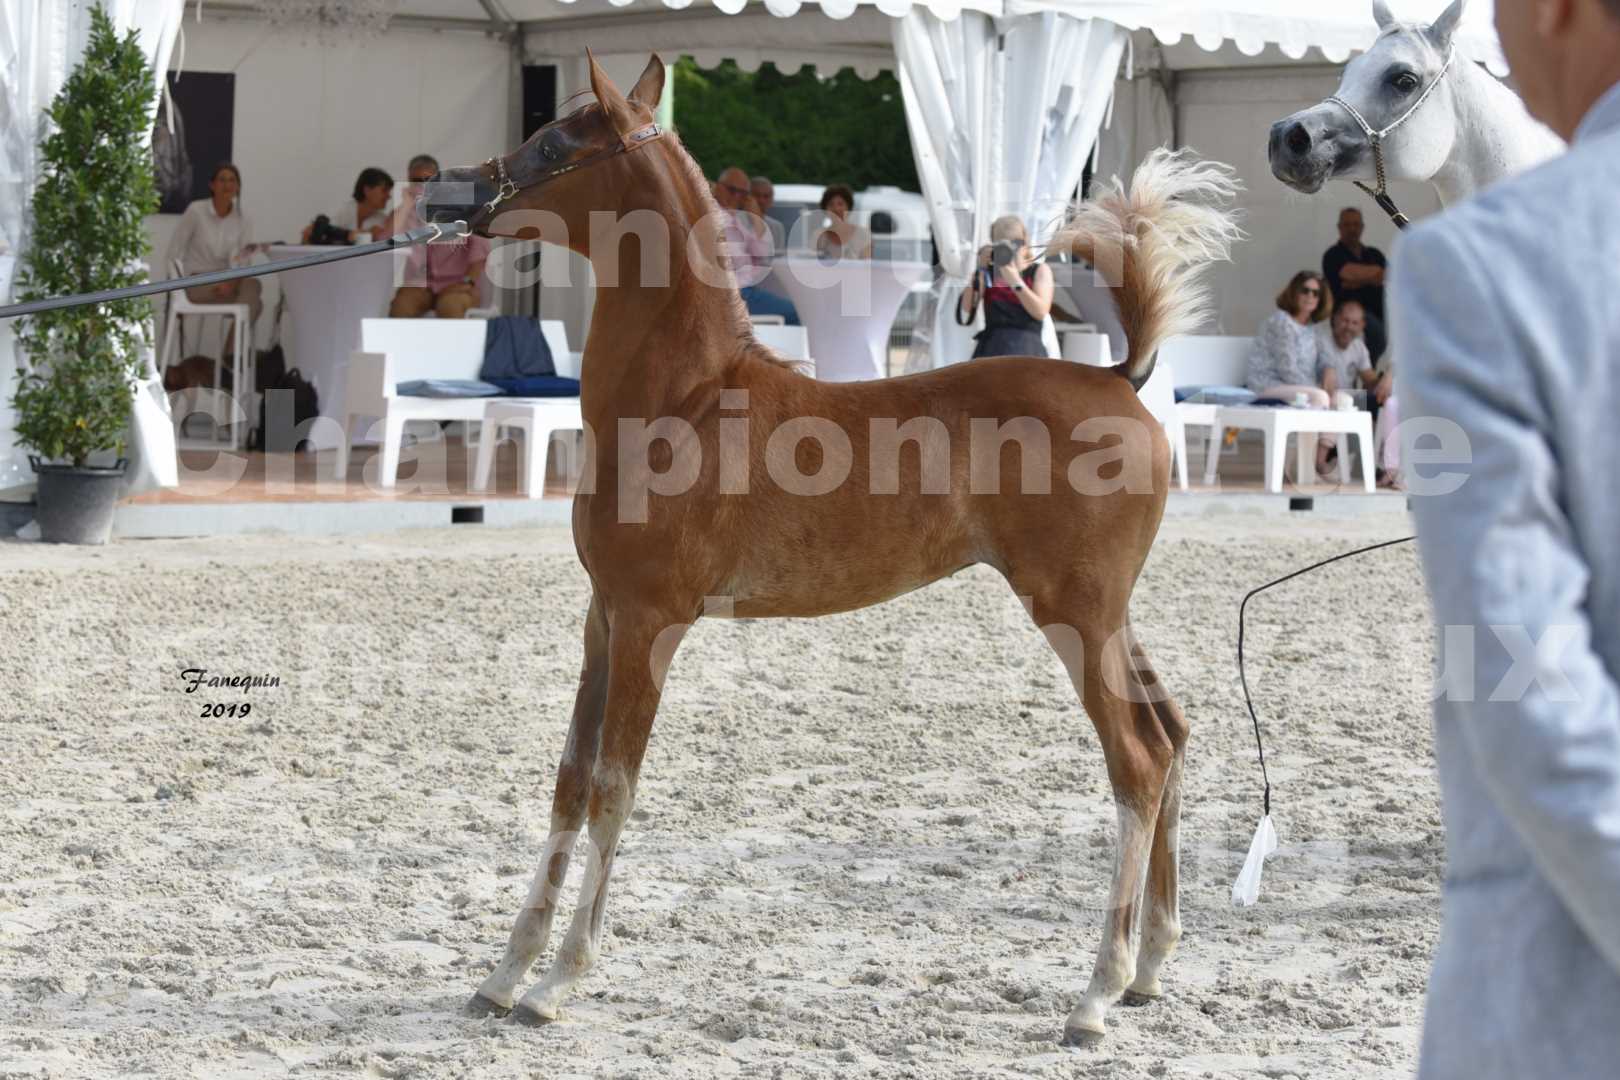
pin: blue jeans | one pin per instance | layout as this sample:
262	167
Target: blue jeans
761	302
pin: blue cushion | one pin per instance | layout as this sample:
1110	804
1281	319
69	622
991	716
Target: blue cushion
514	348
538	386
1215	395
446	388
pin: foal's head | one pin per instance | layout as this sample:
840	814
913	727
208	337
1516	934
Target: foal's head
547	188
1383	84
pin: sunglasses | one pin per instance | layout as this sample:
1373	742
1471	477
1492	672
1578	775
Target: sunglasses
1311	290
735	190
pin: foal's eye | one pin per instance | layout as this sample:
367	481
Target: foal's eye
1405	82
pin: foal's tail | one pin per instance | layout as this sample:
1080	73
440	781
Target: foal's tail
1151	244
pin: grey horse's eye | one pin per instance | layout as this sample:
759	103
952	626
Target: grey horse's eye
1405	82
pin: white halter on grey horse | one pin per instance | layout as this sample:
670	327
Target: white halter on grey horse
1430	115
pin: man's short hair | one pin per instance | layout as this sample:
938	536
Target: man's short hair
421	160
767	180
1345	305
1356	211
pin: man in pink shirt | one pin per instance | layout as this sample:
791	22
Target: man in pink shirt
751	246
441	277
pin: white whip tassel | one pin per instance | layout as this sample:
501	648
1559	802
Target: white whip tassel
1246	889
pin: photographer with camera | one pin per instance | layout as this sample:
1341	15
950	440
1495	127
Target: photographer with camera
1016	291
362	219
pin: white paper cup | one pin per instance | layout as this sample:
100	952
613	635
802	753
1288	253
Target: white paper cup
1302	400
1344	401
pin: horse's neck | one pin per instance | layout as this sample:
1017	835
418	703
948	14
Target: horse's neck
1496	136
654	341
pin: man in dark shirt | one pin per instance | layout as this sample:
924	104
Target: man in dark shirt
1356	272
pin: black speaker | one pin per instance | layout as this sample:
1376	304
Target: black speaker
539	97
539	109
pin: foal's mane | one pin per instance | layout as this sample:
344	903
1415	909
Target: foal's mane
690	181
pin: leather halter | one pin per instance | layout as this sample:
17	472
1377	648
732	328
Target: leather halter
507	187
1376	140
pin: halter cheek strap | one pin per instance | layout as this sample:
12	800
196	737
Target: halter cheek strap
1375	139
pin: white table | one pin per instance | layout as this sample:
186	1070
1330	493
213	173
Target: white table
1278	422
324	307
848	307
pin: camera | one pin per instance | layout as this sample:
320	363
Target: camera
1004	253
323	232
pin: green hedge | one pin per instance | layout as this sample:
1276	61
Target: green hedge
795	129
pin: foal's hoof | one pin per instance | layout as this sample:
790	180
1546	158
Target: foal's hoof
1079	1034
480	1006
531	1017
1136	999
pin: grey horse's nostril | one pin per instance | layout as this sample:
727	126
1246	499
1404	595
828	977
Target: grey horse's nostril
1298	139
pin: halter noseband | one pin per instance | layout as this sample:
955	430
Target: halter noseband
1376	140
507	187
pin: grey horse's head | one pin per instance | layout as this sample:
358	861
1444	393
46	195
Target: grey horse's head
1325	142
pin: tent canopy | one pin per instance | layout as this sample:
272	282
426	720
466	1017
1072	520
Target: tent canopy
1337	30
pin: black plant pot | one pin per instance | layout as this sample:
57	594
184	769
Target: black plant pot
76	504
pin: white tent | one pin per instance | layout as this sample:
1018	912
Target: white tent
1004	98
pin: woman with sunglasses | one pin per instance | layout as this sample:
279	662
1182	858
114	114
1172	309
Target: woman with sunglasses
1283	364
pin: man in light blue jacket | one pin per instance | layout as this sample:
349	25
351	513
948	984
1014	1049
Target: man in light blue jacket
1506	320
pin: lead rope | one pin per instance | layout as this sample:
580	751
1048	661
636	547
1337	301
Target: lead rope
1246	889
423	235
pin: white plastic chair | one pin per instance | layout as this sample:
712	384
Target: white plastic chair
242	360
1159	396
768	320
792	342
537	418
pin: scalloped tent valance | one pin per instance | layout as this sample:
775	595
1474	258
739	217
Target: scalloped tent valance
1336	30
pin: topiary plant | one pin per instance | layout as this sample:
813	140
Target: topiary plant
77	367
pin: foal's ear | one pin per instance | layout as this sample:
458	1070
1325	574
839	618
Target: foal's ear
606	93
650	87
1446	24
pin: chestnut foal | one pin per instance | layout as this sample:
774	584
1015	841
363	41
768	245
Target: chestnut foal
689	499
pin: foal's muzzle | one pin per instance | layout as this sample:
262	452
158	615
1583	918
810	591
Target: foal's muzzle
454	195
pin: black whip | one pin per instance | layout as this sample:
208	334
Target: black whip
400	240
1244	678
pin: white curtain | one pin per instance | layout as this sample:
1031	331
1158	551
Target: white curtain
40	42
1003	115
1142	121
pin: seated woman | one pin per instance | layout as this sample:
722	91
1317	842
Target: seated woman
212	232
839	237
1016	290
1283	364
365	217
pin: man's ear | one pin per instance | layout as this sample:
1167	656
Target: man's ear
649	89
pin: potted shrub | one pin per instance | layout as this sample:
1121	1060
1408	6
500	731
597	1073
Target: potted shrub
77	367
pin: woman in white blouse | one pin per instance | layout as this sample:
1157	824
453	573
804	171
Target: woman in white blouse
211	233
